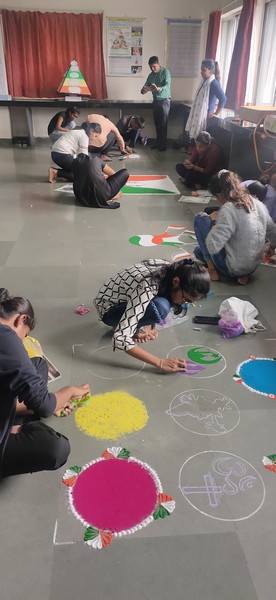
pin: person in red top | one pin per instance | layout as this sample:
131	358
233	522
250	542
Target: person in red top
206	160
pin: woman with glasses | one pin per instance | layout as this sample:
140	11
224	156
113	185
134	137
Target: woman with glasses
138	297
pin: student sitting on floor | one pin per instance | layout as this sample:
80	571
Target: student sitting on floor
265	190
130	127
91	187
64	150
62	122
140	296
31	445
232	240
206	160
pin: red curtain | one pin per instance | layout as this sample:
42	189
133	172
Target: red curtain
236	84
213	34
40	46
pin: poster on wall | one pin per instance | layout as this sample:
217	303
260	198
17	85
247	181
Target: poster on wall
124	47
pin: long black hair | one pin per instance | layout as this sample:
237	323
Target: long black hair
193	278
15	305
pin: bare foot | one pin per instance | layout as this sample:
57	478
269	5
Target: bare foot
106	158
119	195
16	429
52	175
145	335
214	276
243	280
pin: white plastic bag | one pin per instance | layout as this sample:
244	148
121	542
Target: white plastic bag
245	312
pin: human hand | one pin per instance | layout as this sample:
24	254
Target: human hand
129	149
154	88
79	391
65	410
214	215
172	365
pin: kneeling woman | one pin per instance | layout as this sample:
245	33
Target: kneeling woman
140	296
26	443
90	185
206	160
232	240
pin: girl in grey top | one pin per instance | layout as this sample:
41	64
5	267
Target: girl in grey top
232	240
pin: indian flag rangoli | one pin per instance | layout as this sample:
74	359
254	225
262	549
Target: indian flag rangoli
115	495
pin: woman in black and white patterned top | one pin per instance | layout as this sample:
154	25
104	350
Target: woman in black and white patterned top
141	295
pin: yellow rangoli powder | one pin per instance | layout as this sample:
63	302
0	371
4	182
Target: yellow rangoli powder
113	414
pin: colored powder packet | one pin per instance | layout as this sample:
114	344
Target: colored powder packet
82	310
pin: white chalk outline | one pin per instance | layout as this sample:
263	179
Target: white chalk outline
207	433
113	377
230	454
200	346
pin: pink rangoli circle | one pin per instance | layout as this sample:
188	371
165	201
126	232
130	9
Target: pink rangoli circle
115	495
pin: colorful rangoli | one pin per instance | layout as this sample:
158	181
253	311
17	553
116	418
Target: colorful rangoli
258	375
115	495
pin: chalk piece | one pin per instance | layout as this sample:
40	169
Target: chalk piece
197	328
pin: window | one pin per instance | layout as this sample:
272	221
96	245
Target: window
227	36
266	81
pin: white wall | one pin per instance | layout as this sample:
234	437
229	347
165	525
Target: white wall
155	13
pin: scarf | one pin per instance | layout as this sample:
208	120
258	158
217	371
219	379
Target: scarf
198	114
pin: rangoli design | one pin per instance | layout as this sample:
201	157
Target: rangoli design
115	495
173	236
201	361
204	412
221	485
258	375
110	415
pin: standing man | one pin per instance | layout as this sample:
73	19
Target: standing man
159	83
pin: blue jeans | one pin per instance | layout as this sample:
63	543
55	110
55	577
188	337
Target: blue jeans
156	311
202	226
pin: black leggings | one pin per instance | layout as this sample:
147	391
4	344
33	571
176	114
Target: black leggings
106	147
64	161
37	447
113	185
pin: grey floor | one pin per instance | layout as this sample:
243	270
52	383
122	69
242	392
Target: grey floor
58	254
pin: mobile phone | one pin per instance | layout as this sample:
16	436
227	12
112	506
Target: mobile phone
206	320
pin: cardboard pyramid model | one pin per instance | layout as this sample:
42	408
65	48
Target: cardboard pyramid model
74	82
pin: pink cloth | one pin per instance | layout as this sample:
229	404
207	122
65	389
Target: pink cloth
98	139
115	494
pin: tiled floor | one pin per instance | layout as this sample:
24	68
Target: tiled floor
58	254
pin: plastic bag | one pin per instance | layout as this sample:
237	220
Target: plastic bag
230	325
244	312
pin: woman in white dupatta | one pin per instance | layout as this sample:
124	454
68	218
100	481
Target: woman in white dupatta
205	104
